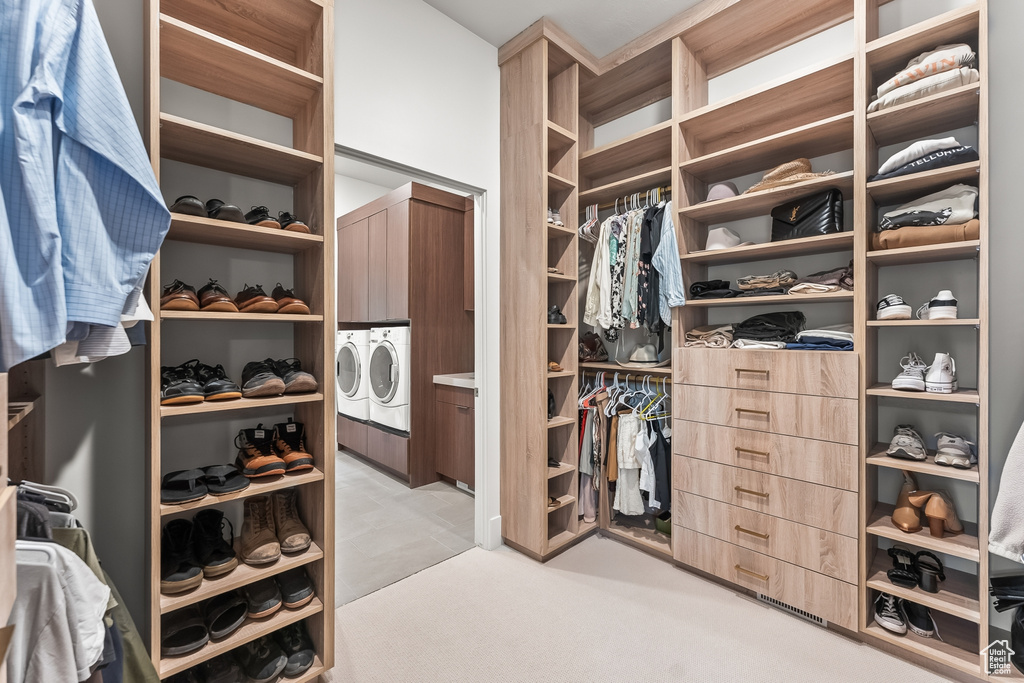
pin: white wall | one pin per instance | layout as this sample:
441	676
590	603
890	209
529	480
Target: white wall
351	193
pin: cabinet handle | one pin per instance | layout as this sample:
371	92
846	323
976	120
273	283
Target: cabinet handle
763	454
765	413
766	373
752	533
744	570
462	407
740	489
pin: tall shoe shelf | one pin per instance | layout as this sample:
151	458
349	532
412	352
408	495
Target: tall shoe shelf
960	608
276	56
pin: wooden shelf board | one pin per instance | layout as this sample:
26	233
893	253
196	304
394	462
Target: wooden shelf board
561	278
890	53
825	244
241	317
945	111
643	80
630	369
556	232
313	674
561	326
650	539
18	411
963	545
795	299
929	253
958	594
239	235
560	138
559	375
878	458
239	404
819	138
559	421
206	61
563	501
249	631
560	184
908	187
961	396
243	575
256	488
635	150
621	188
761	203
196	143
959	322
563	468
934	649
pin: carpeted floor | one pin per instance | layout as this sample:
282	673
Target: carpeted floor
599	612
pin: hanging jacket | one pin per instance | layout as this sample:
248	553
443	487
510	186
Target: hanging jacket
671	292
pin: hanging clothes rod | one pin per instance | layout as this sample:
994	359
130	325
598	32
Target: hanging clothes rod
665	192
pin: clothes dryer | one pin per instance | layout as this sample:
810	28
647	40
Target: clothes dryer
390	377
352	381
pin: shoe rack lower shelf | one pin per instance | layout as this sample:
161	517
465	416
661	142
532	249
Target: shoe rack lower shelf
878	458
963	545
249	631
238	404
957	648
241	317
255	488
958	594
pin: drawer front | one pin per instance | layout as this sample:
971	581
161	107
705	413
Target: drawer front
820	462
454	395
352	435
814	373
810	417
389	450
818	506
815	549
830	599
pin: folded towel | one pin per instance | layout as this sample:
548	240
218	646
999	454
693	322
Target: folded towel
813	288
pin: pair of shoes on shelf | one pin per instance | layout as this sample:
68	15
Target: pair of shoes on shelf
271	377
267	453
260	216
951	450
213	298
937	507
912	570
942	306
195	382
937	378
555	316
897	615
292	589
554	218
186	486
253	299
192	550
287	652
272	526
191	205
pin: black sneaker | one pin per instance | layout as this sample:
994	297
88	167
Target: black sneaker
889	615
213	553
179	570
295	642
296	588
262	659
179	385
189	205
919	619
256	456
296	381
222	669
260	215
260	378
216	384
290	222
290	444
217	209
263	598
551	405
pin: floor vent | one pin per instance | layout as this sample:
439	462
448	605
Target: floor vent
813	618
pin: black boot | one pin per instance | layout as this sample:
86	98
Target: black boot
179	570
214	554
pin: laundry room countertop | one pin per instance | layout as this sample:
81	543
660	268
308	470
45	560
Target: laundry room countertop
464	380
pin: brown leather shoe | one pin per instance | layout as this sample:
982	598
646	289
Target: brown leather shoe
290	444
940	511
259	536
287	302
213	297
255	300
906	517
291	532
256	457
178	296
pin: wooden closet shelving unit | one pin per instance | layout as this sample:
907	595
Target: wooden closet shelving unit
278	57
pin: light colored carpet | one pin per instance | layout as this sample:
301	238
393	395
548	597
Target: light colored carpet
599	612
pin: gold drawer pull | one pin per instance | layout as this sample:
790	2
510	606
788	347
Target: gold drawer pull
763	454
752	533
766	373
759	577
765	413
740	489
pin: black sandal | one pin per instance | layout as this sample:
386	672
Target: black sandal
904	570
183	486
929	574
224	479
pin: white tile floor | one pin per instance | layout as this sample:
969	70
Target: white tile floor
385	531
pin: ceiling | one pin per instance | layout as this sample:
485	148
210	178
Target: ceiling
601	26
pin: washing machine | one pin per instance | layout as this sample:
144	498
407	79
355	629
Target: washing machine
352	355
390	378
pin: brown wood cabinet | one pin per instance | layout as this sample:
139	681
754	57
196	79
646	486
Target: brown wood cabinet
453	438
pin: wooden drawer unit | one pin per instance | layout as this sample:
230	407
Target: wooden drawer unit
820	462
353	435
819	506
821	551
812	417
817	373
830	599
390	450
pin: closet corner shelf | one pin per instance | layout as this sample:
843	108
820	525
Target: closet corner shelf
958	594
945	111
243	575
647	538
239	404
560	422
635	150
963	545
878	458
563	468
795	299
841	241
904	188
627	369
959	322
961	396
557	183
557	231
255	488
621	188
761	203
18	411
939	651
249	631
239	235
561	278
929	253
561	326
560	138
560	375
563	501
241	317
890	53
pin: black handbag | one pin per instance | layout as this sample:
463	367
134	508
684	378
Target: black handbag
819	214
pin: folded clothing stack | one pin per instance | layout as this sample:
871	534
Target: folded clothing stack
710	336
826	281
944	68
828	338
955	205
926	155
766	285
779	327
713	289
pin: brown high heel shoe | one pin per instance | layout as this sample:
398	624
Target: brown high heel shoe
906	517
938	508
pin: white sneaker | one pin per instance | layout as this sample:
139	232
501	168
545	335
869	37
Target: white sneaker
954	451
912	377
892	307
551	216
941	307
941	377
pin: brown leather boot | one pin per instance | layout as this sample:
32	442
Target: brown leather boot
906	517
256	457
939	509
259	533
290	444
291	532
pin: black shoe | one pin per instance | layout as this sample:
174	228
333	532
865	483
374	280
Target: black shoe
190	206
215	208
256	456
179	385
919	619
889	615
216	384
179	570
296	381
290	222
551	405
263	597
555	315
260	378
296	588
553	463
213	553
290	444
260	215
190	676
262	659
295	643
225	614
222	669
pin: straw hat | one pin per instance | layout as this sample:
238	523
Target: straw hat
787	174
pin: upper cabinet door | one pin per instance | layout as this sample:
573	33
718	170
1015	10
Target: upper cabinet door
398	262
379	278
353	291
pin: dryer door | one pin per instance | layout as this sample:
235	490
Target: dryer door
384	372
348	370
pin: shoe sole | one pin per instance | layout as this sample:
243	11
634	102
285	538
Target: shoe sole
272	387
179	305
904	455
301	385
181	501
265	613
294	309
894	313
889	628
957	461
908	385
942	313
292	551
269	679
265	471
184	649
260	307
919	632
175	587
220	569
259	563
300	603
220	307
299	465
182	400
940	387
267	224
226	396
298	227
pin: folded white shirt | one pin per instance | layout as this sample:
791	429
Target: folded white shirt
842	332
756	344
915	152
813	288
941	59
947	80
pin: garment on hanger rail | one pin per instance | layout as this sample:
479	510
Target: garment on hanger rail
671	292
628	500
